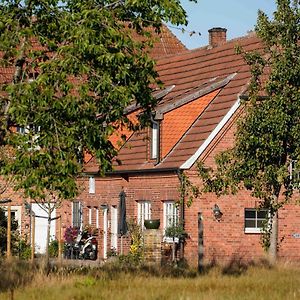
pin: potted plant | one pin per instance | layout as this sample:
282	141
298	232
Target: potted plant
175	233
152	224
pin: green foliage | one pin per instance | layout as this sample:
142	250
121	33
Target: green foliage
136	251
3	234
230	282
268	134
24	249
76	68
53	248
188	191
175	231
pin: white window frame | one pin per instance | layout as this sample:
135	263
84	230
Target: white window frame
92	185
154	140
90	215
171	217
97	217
79	212
294	174
143	212
17	209
256	229
171	214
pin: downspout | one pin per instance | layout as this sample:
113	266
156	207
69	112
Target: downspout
182	198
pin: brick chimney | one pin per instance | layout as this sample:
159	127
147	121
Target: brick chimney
217	36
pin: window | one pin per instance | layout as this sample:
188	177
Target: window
154	140
294	174
97	216
92	185
76	214
254	219
90	216
15	213
144	212
170	214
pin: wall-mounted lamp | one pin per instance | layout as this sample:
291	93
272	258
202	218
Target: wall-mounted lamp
217	212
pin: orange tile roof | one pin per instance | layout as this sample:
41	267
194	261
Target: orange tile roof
189	71
165	43
177	121
124	132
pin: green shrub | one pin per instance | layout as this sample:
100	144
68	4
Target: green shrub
53	248
24	249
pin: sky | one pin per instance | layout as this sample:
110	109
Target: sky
238	16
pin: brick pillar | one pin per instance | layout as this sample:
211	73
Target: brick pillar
152	246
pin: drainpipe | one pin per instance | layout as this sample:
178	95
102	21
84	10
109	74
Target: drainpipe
182	198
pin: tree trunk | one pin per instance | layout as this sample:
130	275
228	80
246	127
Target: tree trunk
274	235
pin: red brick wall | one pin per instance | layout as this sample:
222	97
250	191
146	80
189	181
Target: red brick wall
223	241
155	187
226	240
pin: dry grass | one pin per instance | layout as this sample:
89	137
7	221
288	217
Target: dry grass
254	283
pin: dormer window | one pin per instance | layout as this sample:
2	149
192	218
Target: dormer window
154	140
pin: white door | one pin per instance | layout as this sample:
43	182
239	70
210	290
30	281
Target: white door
41	228
105	227
114	228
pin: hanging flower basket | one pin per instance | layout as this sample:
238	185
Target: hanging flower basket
152	224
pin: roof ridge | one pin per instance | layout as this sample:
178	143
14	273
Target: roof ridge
205	51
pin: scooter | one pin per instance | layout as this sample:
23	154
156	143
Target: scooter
86	246
89	249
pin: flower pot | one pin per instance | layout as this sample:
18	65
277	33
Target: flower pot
152	224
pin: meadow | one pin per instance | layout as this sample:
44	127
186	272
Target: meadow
256	282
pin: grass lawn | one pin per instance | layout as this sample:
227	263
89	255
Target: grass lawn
255	283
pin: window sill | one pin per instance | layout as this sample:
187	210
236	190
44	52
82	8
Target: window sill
253	230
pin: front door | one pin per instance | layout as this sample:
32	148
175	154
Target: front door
114	228
40	230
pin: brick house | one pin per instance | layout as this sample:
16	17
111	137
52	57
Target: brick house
194	120
165	44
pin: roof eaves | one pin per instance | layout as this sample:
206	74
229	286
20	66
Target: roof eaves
189	162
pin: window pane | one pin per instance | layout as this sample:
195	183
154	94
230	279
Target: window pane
76	214
144	212
92	185
260	223
250	213
250	223
154	141
261	214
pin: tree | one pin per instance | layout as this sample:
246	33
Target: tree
74	69
268	135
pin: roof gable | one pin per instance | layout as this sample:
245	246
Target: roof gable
206	85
